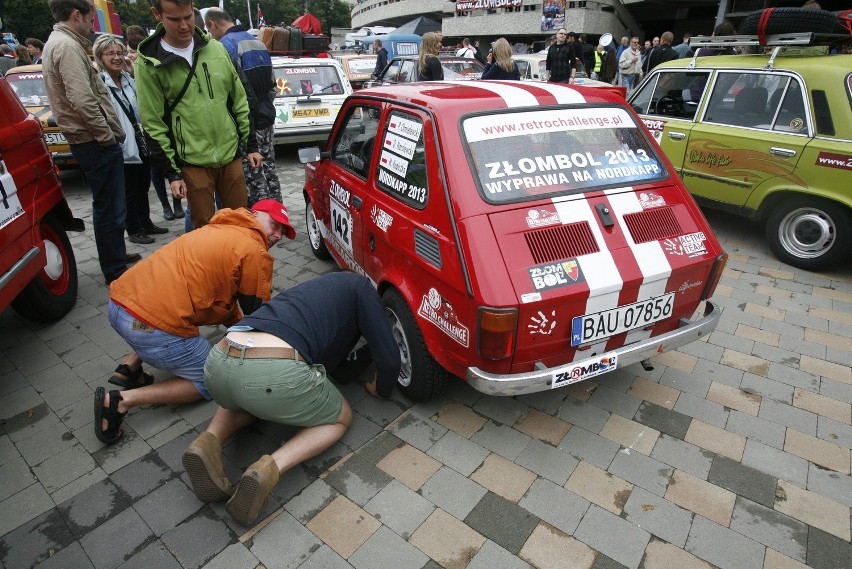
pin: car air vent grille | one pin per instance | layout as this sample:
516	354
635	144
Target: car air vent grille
652	224
561	242
427	248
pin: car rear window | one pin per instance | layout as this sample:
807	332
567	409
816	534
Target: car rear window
303	80
29	87
462	69
362	66
524	156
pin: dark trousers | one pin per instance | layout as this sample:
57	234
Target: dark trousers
104	169
137	179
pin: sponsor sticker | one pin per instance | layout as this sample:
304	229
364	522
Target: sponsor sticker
690	245
439	312
299	70
530	297
542	323
490	127
686	285
832	160
541	218
584	370
651	199
381	218
10	204
554	275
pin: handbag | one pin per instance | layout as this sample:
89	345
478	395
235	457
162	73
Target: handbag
138	131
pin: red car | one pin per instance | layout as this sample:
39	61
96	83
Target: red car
522	236
38	272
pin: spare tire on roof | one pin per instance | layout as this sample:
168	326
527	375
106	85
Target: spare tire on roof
790	21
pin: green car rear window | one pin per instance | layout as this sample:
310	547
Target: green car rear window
524	156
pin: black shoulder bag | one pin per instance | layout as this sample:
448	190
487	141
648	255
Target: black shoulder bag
138	131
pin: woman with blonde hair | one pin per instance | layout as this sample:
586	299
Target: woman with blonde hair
500	64
430	66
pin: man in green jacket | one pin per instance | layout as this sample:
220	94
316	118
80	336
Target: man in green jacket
195	110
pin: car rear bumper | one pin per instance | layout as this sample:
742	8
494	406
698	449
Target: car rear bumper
302	134
542	379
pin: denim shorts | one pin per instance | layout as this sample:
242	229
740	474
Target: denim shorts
184	357
273	389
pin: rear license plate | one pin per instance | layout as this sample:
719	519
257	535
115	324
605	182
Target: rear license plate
311	113
54	138
600	325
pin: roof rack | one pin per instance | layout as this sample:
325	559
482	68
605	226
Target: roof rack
776	41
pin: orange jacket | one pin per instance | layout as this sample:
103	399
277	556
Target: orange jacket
196	279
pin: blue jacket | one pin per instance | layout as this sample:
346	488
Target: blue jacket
252	58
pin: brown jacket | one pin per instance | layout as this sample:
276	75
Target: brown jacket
78	97
198	278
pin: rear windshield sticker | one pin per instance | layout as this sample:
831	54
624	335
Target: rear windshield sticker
554	275
691	245
404	127
504	125
439	312
541	218
842	161
542	323
299	70
400	145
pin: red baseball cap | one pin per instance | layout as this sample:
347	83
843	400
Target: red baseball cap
278	212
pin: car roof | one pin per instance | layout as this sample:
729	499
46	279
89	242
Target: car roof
279	60
463	97
25	69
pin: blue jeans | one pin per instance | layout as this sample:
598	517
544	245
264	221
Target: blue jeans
628	82
184	357
104	169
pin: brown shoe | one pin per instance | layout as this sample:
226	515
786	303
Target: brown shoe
202	461
253	490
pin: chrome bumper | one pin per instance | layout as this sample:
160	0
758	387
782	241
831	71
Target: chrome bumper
541	379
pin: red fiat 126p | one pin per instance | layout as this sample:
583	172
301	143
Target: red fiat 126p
522	236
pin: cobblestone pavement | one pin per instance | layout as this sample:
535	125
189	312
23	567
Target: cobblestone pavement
732	452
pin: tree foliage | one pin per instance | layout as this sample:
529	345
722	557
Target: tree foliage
31	18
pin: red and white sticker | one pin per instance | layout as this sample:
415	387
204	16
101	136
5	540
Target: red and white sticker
400	145
394	163
491	127
405	127
832	160
439	312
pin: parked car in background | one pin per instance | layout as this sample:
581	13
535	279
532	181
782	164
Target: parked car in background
38	271
532	67
27	82
524	237
404	69
358	68
766	136
308	94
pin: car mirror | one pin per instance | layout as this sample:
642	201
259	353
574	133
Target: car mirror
311	154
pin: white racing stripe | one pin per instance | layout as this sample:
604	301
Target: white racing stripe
652	260
599	269
514	96
563	95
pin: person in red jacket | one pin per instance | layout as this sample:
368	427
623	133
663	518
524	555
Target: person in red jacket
213	275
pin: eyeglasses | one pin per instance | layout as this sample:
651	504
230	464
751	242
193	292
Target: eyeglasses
114	53
560	33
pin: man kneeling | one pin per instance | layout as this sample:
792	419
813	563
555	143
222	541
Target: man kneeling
273	366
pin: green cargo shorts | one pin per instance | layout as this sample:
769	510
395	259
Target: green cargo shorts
273	389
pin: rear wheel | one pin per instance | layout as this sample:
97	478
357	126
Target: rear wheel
810	233
53	292
421	378
314	233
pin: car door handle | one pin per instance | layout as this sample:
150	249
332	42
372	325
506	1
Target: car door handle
785	152
676	135
357	203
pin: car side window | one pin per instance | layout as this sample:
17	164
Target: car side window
766	101
393	71
524	68
406	74
672	94
353	147
402	165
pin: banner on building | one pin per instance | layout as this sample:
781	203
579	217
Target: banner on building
552	15
487	4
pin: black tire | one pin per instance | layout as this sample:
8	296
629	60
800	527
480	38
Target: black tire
793	20
318	247
810	233
421	377
53	292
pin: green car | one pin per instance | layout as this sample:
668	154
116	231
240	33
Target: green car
766	136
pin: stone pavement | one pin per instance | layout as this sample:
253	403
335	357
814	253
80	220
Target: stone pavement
732	452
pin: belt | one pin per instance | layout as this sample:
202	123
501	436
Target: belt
252	352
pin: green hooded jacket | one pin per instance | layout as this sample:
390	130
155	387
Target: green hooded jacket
211	120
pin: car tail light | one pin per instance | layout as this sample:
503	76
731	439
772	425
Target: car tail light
497	332
715	275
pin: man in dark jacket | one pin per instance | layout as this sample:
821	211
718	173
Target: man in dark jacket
661	53
560	59
252	59
273	365
381	57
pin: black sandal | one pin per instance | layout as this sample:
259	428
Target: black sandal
113	432
131	379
